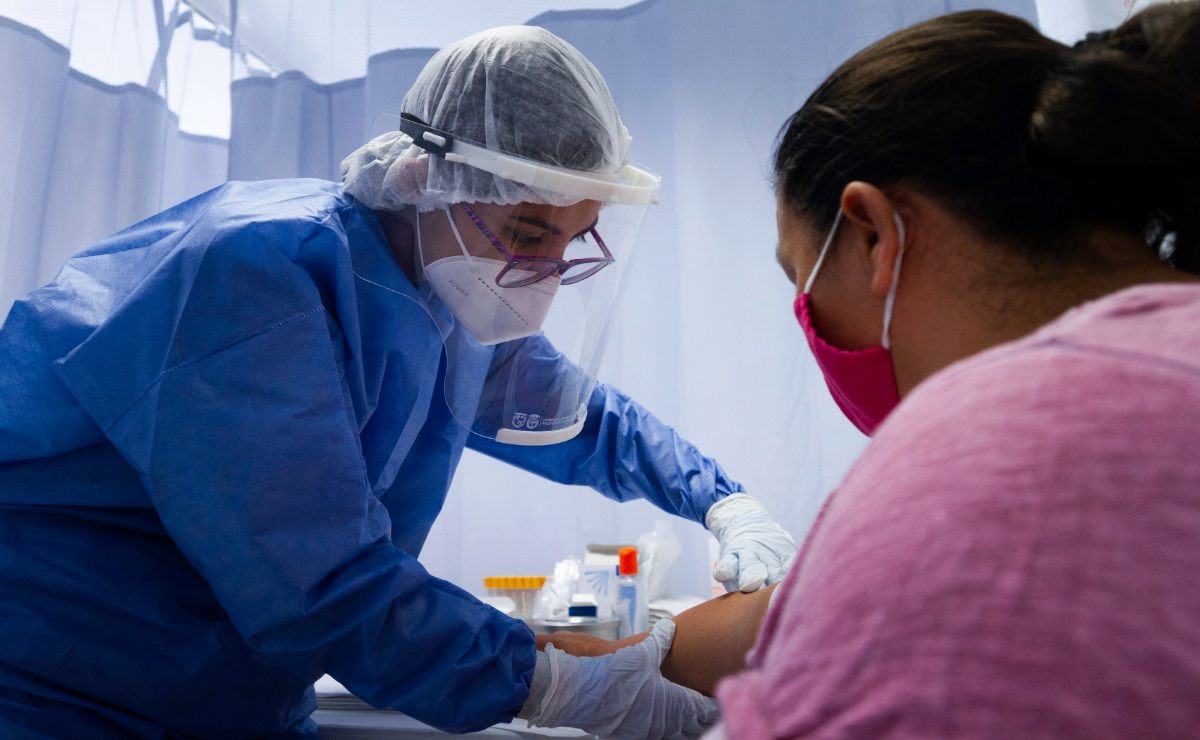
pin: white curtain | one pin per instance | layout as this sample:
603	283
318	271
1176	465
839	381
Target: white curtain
113	111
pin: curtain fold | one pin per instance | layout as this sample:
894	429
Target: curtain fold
81	159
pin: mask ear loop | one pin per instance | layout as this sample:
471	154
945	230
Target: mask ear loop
416	222
458	238
890	303
812	276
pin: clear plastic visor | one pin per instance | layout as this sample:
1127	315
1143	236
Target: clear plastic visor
528	292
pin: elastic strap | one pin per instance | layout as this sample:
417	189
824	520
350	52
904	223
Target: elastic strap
890	303
459	239
824	250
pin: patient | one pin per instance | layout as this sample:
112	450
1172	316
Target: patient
995	241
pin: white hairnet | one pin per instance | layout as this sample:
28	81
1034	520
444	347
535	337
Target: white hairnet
520	90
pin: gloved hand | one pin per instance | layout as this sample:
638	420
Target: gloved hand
622	695
755	551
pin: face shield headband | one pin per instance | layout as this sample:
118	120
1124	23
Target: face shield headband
629	185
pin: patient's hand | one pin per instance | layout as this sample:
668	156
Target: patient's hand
585	645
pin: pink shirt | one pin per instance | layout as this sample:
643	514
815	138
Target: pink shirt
1016	554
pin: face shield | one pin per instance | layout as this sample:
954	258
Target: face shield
532	287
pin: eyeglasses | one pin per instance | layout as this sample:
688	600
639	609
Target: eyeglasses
570	271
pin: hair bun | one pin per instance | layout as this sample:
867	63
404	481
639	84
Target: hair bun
1166	37
1117	120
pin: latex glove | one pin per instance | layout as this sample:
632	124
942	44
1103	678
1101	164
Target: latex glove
755	550
622	695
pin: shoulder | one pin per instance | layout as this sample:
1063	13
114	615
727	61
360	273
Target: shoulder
301	200
237	222
1038	449
1047	423
1127	362
196	279
244	239
278	213
231	208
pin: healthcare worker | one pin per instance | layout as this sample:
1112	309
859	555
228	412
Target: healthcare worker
226	431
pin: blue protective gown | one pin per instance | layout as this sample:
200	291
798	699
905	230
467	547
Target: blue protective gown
223	440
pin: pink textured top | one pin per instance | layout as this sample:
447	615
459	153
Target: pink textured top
1016	554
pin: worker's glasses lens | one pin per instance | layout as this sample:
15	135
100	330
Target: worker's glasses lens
582	271
527	271
523	270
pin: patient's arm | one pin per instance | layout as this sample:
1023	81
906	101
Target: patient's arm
711	640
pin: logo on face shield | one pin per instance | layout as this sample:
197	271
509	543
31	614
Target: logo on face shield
534	420
519	420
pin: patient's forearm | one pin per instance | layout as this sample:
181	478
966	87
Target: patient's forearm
712	639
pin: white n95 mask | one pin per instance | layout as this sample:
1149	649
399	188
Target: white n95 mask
492	314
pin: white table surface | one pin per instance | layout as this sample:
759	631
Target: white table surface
360	724
377	724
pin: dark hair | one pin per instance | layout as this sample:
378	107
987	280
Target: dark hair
1033	143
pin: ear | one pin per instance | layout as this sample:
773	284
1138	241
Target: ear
870	209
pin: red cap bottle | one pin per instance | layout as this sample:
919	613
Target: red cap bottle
627	561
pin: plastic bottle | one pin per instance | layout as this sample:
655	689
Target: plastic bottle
630	604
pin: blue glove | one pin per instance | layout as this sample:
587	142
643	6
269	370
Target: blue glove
755	550
622	695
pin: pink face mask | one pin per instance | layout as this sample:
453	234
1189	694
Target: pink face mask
862	382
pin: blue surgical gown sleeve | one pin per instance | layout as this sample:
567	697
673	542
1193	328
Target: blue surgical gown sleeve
218	380
623	451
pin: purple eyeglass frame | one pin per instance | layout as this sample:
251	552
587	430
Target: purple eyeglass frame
551	264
